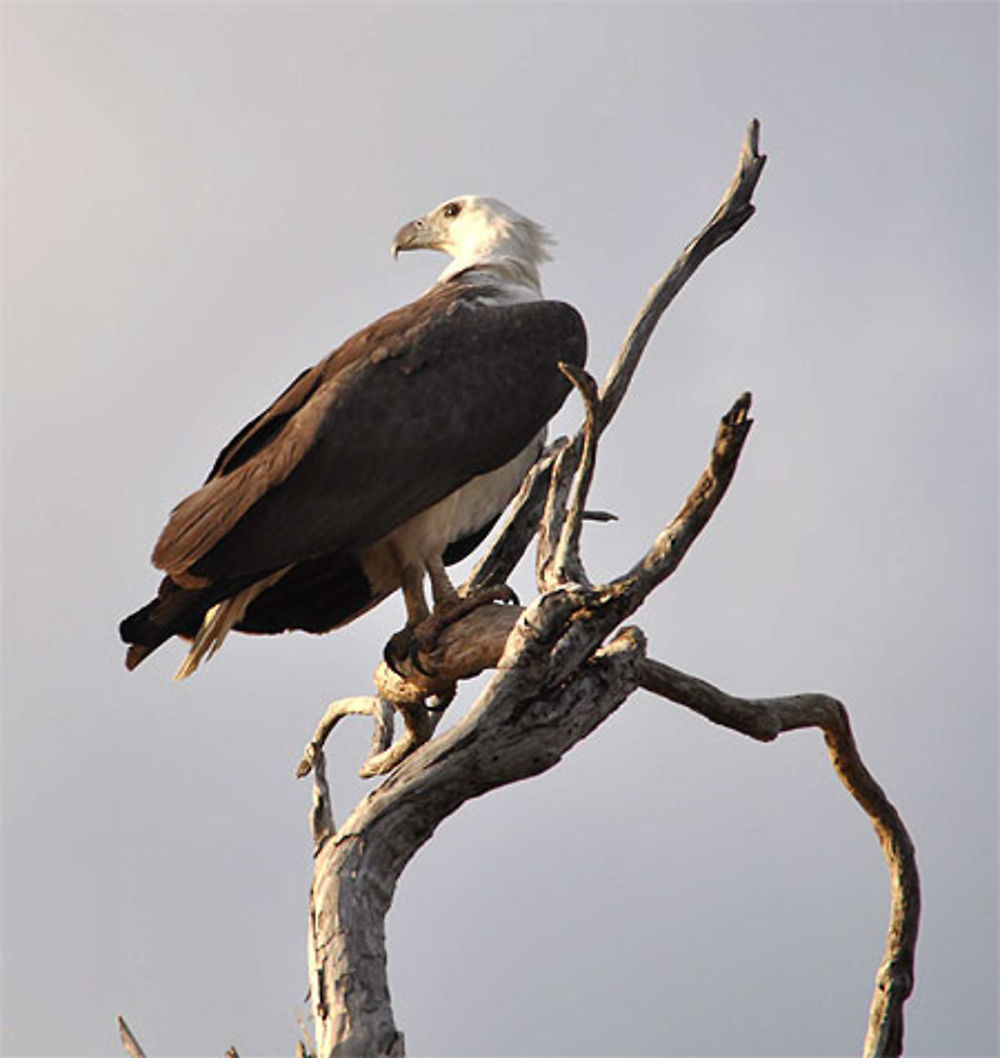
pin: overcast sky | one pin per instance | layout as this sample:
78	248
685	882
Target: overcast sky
198	201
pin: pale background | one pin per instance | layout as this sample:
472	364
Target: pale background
198	202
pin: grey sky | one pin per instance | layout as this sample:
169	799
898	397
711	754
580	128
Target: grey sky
198	201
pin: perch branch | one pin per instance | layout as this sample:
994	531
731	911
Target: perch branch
464	649
554	683
766	718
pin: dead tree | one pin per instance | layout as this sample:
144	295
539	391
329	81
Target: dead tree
563	665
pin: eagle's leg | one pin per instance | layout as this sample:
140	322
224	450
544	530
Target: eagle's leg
403	644
423	627
449	606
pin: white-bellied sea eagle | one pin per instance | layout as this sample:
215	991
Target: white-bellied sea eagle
389	459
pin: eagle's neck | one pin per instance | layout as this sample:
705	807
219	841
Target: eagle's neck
507	278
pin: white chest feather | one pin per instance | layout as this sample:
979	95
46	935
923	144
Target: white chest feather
481	499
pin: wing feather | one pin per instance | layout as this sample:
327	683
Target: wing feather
260	431
403	413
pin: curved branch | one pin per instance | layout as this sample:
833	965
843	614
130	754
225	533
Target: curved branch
366	705
766	718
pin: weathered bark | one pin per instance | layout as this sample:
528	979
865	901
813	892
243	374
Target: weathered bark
563	665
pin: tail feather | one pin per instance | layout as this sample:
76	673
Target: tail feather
218	622
174	612
137	652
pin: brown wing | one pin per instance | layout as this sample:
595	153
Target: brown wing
402	414
259	432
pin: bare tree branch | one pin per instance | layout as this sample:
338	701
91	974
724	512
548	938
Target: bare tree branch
765	719
730	215
558	558
368	705
321	817
673	543
129	1042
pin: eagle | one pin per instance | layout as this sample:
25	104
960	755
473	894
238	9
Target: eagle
389	460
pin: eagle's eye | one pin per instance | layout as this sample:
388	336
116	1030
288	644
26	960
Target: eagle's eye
452	209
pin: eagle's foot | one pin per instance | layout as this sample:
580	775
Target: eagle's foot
407	650
410	647
402	653
427	633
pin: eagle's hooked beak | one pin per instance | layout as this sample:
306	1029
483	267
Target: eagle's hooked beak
413	236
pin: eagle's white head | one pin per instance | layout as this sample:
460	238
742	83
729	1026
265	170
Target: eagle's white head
483	234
